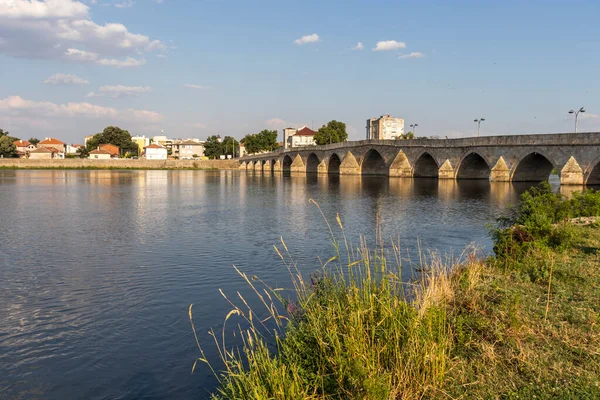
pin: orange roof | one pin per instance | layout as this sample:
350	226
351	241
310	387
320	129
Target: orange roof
21	143
77	145
111	148
100	151
154	146
50	141
305	132
43	149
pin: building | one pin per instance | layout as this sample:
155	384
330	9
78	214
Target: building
23	148
142	142
46	153
385	127
188	149
112	149
298	137
88	137
241	150
155	152
72	148
53	143
100	154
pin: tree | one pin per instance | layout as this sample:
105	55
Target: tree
83	152
264	140
213	147
333	132
407	135
230	146
34	141
7	146
113	135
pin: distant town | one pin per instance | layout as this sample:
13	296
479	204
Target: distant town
115	143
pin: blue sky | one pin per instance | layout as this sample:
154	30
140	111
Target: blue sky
196	68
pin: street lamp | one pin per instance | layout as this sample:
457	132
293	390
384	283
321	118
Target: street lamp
479	121
581	110
414	127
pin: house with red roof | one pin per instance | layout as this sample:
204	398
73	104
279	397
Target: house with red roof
53	143
23	148
298	137
155	152
100	154
46	153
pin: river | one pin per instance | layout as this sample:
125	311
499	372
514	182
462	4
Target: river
98	268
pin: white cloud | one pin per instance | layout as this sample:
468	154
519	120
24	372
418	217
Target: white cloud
387	45
416	54
63	29
48	9
359	46
118	91
16	105
65	79
277	123
192	86
308	39
587	115
128	62
90	57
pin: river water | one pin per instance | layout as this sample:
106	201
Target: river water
98	268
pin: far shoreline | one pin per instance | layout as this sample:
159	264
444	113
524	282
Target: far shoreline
119	164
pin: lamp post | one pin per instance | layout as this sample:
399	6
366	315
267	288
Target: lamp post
413	127
479	121
581	110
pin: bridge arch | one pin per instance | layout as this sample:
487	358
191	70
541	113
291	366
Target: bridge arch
533	167
426	166
593	177
286	166
473	166
333	167
373	164
312	164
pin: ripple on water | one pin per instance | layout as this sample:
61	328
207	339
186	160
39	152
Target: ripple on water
98	268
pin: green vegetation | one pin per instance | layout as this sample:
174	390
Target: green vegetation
112	135
264	140
34	141
523	324
333	132
7	146
215	147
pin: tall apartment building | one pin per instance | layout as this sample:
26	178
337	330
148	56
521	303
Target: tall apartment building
385	127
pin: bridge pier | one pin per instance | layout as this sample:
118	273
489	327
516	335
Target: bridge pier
401	167
500	172
258	167
243	166
298	165
571	174
322	168
349	165
446	171
277	166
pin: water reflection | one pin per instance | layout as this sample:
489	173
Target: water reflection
97	268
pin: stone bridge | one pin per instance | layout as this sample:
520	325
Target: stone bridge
527	158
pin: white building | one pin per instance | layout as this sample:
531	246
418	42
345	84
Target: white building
298	137
100	154
155	152
385	127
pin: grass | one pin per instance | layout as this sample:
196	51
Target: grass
522	324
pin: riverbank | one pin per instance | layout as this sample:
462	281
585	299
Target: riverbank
142	164
522	324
